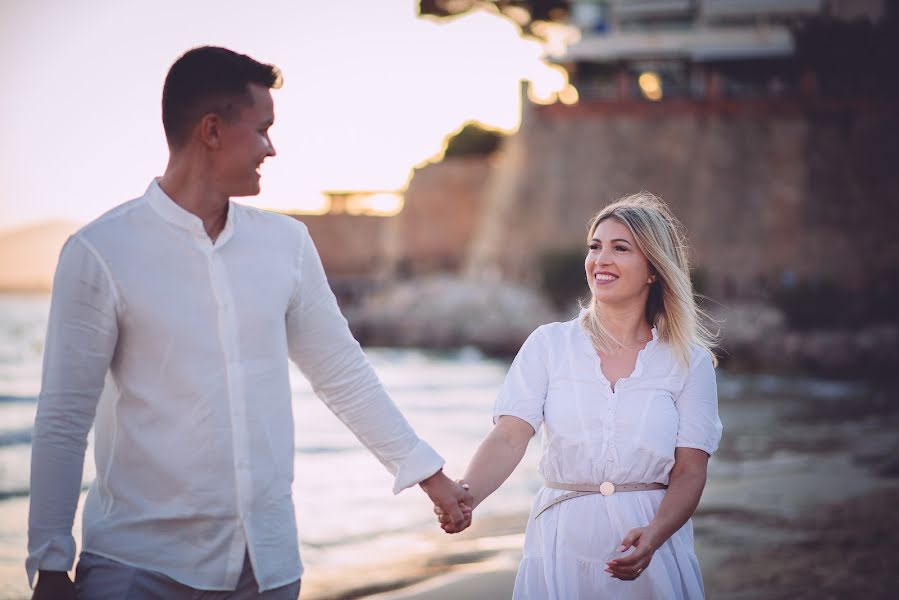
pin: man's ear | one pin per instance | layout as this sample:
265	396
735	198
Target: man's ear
209	131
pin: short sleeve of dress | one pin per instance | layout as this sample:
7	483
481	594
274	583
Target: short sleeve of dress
697	406
524	390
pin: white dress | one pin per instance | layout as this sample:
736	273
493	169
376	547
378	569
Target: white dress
593	434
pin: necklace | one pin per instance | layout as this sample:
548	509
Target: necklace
634	344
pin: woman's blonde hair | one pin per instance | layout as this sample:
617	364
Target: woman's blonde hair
671	307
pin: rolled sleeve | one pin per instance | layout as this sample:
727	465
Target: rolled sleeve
321	345
81	337
699	425
524	390
422	462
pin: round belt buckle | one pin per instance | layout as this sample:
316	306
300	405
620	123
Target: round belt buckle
607	488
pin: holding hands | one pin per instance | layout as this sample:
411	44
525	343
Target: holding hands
491	465
452	501
445	519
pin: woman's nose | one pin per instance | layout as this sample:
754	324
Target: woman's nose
604	257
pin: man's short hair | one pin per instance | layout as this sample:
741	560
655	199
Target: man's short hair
207	80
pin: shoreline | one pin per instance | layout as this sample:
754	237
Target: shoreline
846	549
491	545
800	504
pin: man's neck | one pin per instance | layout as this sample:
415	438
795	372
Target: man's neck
191	189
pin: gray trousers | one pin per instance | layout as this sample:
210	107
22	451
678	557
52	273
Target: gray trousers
101	578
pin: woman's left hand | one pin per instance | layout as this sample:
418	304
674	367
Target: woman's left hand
631	566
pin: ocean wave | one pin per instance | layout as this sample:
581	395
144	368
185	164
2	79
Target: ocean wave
17	399
17	493
24	492
21	437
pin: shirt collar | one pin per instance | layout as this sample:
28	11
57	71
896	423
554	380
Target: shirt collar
172	212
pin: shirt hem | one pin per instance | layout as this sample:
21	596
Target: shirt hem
276	585
707	449
534	424
147	568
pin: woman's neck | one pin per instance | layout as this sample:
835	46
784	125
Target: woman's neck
628	325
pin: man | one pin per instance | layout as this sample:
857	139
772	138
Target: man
193	304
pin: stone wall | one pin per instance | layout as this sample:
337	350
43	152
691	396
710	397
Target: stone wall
766	191
431	234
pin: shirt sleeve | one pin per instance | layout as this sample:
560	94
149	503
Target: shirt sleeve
81	336
322	346
524	390
697	406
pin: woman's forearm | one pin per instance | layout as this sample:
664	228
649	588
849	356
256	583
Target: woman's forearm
497	457
685	486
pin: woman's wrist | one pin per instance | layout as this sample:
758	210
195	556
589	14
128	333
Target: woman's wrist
654	535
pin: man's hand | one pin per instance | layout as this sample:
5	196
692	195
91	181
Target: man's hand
444	519
53	585
450	498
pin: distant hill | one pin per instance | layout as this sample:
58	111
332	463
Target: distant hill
28	255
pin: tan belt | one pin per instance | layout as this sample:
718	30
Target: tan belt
606	488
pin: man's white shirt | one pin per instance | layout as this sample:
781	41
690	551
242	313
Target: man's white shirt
194	449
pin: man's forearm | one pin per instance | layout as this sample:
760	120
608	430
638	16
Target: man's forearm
82	333
55	489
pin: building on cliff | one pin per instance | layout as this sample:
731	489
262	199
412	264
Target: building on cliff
771	128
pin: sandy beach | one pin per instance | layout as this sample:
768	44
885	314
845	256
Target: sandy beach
800	504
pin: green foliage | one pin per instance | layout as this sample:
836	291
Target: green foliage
882	298
824	304
816	304
563	282
562	278
473	140
538	10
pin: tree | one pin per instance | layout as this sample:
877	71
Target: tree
473	140
536	10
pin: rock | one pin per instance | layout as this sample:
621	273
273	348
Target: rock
448	312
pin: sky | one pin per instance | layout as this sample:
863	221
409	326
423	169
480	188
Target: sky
370	90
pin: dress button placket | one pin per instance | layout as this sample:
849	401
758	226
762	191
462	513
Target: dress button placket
611	451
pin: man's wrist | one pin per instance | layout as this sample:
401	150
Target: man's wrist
424	483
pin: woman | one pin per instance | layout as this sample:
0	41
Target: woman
627	397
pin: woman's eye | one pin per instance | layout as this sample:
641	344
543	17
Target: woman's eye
593	247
